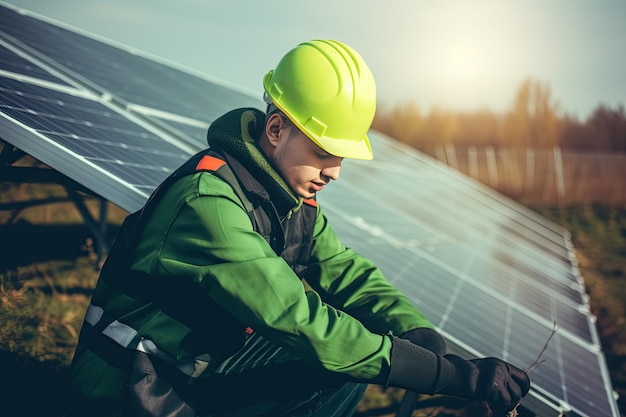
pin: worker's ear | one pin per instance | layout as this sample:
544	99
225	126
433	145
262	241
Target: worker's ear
275	129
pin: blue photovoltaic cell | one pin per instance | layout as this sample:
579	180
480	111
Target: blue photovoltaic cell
493	276
128	76
197	134
12	62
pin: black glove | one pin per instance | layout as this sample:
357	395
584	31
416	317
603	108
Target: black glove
485	379
426	338
420	370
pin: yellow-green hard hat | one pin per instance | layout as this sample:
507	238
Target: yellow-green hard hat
328	91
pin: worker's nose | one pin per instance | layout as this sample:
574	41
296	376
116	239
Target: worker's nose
331	172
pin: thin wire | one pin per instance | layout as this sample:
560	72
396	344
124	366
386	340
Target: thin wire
538	361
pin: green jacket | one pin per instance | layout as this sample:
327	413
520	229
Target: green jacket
338	315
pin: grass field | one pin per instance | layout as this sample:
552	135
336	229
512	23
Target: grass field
47	272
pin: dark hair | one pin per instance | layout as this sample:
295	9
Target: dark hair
272	109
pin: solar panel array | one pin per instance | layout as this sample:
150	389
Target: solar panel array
117	120
492	275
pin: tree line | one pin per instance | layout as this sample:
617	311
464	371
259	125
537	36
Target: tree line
534	120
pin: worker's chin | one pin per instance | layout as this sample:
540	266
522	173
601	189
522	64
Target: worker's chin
307	193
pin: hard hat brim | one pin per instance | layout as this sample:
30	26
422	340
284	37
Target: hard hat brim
343	148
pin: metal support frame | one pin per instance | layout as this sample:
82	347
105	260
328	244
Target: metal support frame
407	405
76	193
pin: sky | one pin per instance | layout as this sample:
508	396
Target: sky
461	55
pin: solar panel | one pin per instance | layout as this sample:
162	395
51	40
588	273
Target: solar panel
491	274
85	139
13	62
126	74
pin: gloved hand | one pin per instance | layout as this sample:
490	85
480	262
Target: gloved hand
486	379
426	338
420	370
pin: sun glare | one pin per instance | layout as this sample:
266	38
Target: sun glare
462	63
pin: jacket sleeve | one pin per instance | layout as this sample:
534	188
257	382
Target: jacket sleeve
209	239
354	284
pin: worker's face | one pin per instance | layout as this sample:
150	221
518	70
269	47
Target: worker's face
306	167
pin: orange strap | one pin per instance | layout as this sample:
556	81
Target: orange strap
310	202
209	163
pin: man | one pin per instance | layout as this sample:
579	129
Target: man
229	294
